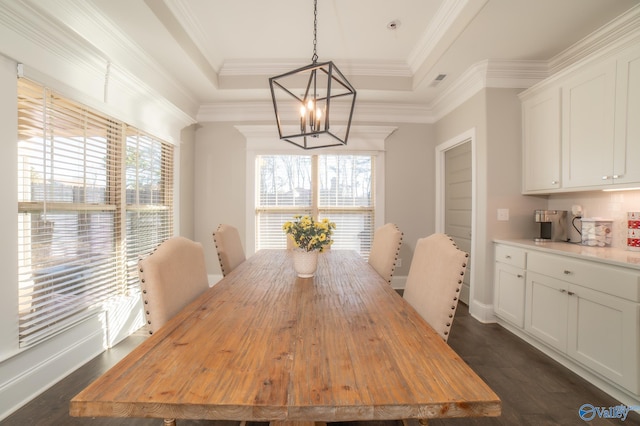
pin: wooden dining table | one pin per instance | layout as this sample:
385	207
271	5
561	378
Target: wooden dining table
265	345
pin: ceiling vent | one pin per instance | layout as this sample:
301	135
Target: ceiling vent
438	80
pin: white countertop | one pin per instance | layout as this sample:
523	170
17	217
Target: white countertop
612	256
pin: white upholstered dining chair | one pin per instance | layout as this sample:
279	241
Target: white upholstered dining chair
434	281
170	278
229	247
385	249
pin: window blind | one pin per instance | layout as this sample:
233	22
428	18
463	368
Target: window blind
338	187
149	199
71	228
346	198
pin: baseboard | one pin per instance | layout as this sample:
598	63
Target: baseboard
482	312
213	279
32	371
398	283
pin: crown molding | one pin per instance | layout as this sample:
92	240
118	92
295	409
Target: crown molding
34	32
488	74
498	74
451	19
249	67
361	138
617	34
364	112
90	25
54	53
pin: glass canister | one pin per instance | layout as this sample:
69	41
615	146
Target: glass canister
596	232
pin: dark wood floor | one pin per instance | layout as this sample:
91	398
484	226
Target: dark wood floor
534	389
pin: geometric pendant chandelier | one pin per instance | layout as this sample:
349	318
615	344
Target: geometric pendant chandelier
313	104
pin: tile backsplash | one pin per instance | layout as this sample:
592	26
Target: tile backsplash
608	205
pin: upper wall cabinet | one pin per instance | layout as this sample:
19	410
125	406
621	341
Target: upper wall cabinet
541	133
588	100
581	131
626	153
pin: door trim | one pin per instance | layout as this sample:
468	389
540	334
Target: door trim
441	149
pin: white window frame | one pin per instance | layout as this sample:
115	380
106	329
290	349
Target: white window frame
124	280
364	140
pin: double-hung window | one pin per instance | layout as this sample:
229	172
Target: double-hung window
335	186
93	194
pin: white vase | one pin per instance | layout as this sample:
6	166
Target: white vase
305	263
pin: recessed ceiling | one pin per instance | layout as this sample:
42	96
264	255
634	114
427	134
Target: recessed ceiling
221	51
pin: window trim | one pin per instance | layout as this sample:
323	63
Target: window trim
364	140
116	204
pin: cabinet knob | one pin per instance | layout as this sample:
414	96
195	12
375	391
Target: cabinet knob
617	176
507	257
606	177
519	275
554	182
567	272
562	290
570	293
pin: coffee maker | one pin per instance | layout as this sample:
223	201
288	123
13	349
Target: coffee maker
553	225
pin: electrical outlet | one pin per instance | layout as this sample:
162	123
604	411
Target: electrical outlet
399	262
503	215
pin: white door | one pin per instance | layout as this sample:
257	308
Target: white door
455	197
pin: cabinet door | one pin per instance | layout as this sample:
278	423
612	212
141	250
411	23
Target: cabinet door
546	309
603	335
627	122
509	293
588	101
541	141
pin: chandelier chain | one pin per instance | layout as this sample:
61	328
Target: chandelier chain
314	58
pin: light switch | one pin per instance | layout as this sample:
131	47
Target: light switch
503	215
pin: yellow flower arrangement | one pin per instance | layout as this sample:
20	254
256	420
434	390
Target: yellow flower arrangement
308	234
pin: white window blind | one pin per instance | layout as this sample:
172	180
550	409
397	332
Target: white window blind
149	199
337	187
71	242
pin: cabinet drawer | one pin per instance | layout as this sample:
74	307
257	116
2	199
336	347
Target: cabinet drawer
608	279
511	256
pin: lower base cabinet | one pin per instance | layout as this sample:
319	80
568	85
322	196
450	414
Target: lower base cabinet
603	335
509	287
546	313
569	307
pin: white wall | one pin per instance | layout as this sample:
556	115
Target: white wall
186	182
410	187
495	116
221	184
219	190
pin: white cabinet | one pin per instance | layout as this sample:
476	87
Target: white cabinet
509	286
588	102
627	122
588	311
546	311
541	141
603	335
581	129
